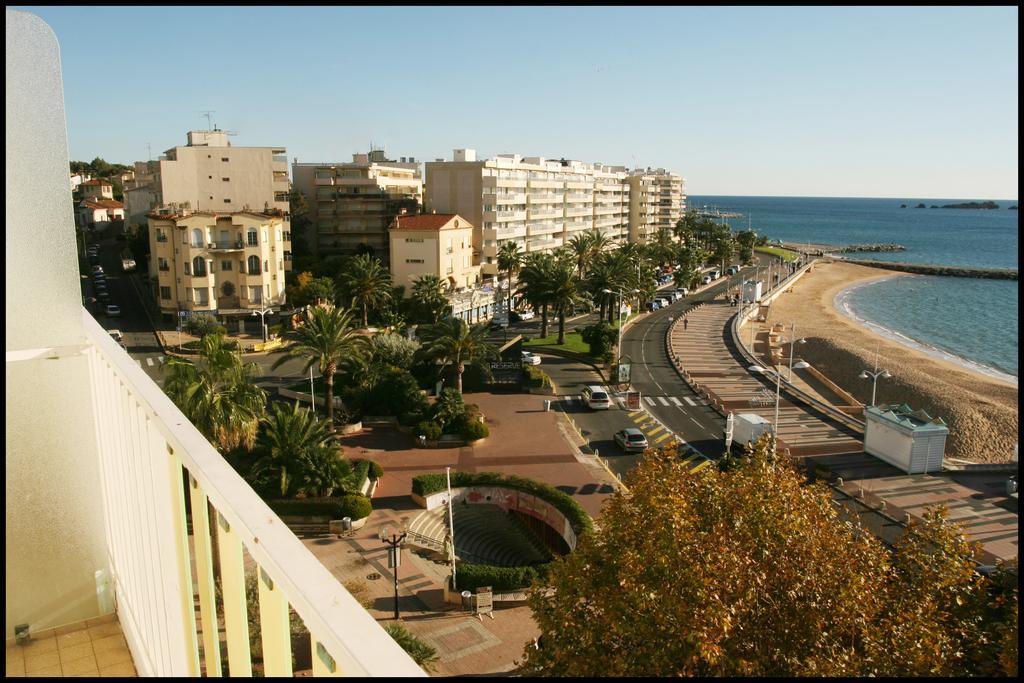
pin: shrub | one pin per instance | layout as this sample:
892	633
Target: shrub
429	429
601	338
426	484
202	324
360	472
449	410
536	378
395	393
354	506
474	429
424	655
376	471
306	507
472	576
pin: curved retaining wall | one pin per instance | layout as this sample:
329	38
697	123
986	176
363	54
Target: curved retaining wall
931	269
507	499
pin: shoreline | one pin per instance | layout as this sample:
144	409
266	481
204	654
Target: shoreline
842	304
980	409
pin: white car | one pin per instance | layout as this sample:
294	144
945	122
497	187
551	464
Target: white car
596	397
526	315
113	310
530	358
706	279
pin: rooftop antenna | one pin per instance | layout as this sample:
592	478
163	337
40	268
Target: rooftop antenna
206	113
149	152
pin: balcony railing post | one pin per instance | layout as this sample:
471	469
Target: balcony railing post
274	628
188	609
236	616
204	573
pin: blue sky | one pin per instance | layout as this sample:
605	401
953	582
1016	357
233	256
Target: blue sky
870	102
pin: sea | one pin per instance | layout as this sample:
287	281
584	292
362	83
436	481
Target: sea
970	321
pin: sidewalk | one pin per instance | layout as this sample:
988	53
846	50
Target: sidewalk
525	440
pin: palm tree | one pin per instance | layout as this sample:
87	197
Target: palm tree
217	395
367	283
582	248
599	242
510	260
325	337
661	247
563	294
300	454
428	293
453	342
534	282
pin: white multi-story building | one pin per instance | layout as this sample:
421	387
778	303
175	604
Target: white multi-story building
657	200
538	203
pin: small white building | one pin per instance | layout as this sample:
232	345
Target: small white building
752	290
909	439
98	213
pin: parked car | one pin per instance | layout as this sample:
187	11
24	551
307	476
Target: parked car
103	296
676	295
652	305
113	310
97	270
732	270
117	336
665	301
526	315
596	397
706	279
631	440
530	358
715	274
682	291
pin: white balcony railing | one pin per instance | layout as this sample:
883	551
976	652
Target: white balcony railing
145	444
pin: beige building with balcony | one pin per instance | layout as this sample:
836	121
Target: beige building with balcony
657	200
538	203
210	174
351	205
226	264
441	244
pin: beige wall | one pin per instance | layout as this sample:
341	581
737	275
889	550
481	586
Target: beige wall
178	250
196	175
431	247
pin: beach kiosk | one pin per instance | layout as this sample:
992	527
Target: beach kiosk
912	440
752	290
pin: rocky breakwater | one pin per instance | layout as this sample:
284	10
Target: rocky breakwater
947	271
870	247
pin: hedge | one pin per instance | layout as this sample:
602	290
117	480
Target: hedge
365	469
349	505
474	429
376	471
429	429
536	378
472	576
426	484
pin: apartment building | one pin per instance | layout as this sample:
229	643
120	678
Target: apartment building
352	204
97	188
441	244
227	264
538	203
657	200
210	174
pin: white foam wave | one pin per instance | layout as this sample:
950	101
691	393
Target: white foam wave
841	302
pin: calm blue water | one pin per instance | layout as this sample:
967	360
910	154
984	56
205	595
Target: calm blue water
973	319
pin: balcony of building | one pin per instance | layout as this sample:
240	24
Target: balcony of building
124	525
544	212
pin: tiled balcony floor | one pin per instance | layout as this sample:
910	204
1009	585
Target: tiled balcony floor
93	648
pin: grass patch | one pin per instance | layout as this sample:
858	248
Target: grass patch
785	254
573	343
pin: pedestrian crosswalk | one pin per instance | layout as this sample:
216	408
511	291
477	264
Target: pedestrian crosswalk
659	436
668	401
150	361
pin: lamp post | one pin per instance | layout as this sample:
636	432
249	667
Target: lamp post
793	341
394	541
262	314
874	375
778	383
619	292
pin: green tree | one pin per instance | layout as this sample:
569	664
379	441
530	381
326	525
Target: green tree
428	297
453	342
752	572
582	251
601	338
326	338
510	260
300	455
321	290
217	395
535	284
202	324
563	295
298	208
423	654
366	283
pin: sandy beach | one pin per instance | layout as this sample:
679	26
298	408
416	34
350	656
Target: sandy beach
981	410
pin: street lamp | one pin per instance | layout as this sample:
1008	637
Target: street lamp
262	314
394	540
874	375
778	382
792	342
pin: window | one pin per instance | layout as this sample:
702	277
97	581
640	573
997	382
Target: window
188	269
254	265
266	265
413	239
184	235
414	260
165	292
223	158
268	291
255	294
227	201
265	238
201	296
251	234
226	180
280	264
199	266
279	234
225	265
197	237
162	263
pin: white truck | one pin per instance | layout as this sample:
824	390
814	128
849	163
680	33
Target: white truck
747	427
127	261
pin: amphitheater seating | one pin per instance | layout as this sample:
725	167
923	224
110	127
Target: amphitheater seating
486	534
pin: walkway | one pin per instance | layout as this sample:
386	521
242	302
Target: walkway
705	352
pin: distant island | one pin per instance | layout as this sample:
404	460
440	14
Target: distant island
920	206
971	205
1013	208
